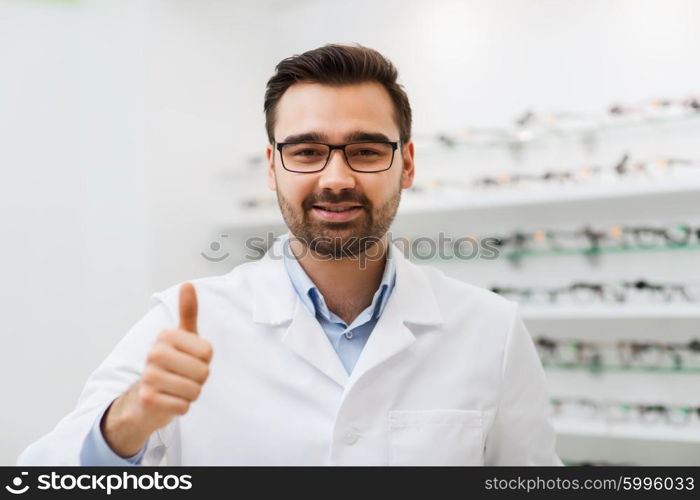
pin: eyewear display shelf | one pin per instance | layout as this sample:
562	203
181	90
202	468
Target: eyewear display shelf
667	199
674	193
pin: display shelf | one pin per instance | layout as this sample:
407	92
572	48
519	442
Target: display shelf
645	432
637	312
621	369
413	204
524	137
505	197
603	250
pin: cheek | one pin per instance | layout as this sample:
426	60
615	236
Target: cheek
382	189
295	188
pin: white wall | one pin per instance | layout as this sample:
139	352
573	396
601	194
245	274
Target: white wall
122	122
74	239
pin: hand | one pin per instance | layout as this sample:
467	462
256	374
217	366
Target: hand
176	368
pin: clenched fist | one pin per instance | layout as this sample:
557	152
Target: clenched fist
176	368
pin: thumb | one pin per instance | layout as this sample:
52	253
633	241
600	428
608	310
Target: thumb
188	308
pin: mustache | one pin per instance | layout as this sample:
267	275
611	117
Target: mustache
327	197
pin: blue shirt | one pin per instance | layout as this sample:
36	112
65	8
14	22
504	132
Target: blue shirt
347	340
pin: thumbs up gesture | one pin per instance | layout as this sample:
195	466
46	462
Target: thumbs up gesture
176	368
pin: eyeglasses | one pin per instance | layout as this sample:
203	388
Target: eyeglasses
310	157
674	355
647	237
599	356
559	121
624	168
623	292
612	411
550	177
579	292
666	292
586	239
657	107
531	126
590	240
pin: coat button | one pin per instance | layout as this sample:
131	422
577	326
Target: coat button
351	436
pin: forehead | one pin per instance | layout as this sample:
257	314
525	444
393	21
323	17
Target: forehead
335	110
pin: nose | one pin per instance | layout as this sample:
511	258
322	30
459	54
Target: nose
337	175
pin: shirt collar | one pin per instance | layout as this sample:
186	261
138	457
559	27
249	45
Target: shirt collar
312	298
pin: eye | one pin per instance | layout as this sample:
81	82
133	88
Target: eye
306	152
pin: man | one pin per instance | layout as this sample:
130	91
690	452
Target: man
333	348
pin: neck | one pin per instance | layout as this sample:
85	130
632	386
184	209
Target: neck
348	284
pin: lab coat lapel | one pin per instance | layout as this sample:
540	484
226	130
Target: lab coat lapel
306	337
276	303
412	302
389	337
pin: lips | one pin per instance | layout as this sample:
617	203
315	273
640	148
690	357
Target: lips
337	207
340	212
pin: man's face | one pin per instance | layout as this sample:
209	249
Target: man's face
334	113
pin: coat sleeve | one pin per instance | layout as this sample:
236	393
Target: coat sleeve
521	433
119	371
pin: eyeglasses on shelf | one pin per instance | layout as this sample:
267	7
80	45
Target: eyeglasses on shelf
531	126
594	240
624	412
623	355
581	292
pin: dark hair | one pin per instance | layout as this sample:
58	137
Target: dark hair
335	64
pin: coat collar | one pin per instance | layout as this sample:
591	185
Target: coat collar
312	298
275	302
275	298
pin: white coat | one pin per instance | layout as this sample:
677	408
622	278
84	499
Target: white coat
448	376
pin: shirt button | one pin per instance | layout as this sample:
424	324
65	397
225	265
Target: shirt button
351	436
348	334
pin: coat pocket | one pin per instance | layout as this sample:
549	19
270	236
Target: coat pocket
435	437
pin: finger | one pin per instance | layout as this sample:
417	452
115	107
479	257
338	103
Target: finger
169	358
171	383
162	402
188	308
186	342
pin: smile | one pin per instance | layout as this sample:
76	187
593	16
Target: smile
336	214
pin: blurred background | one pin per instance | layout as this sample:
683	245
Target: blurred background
564	135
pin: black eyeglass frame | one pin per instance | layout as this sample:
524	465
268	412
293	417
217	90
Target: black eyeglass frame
394	146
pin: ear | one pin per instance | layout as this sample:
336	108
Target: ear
407	166
271	181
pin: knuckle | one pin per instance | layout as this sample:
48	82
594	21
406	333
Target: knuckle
147	397
155	355
182	408
196	391
166	335
208	350
150	375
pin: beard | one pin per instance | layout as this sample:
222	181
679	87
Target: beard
337	240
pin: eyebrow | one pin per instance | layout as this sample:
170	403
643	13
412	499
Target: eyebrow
357	135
